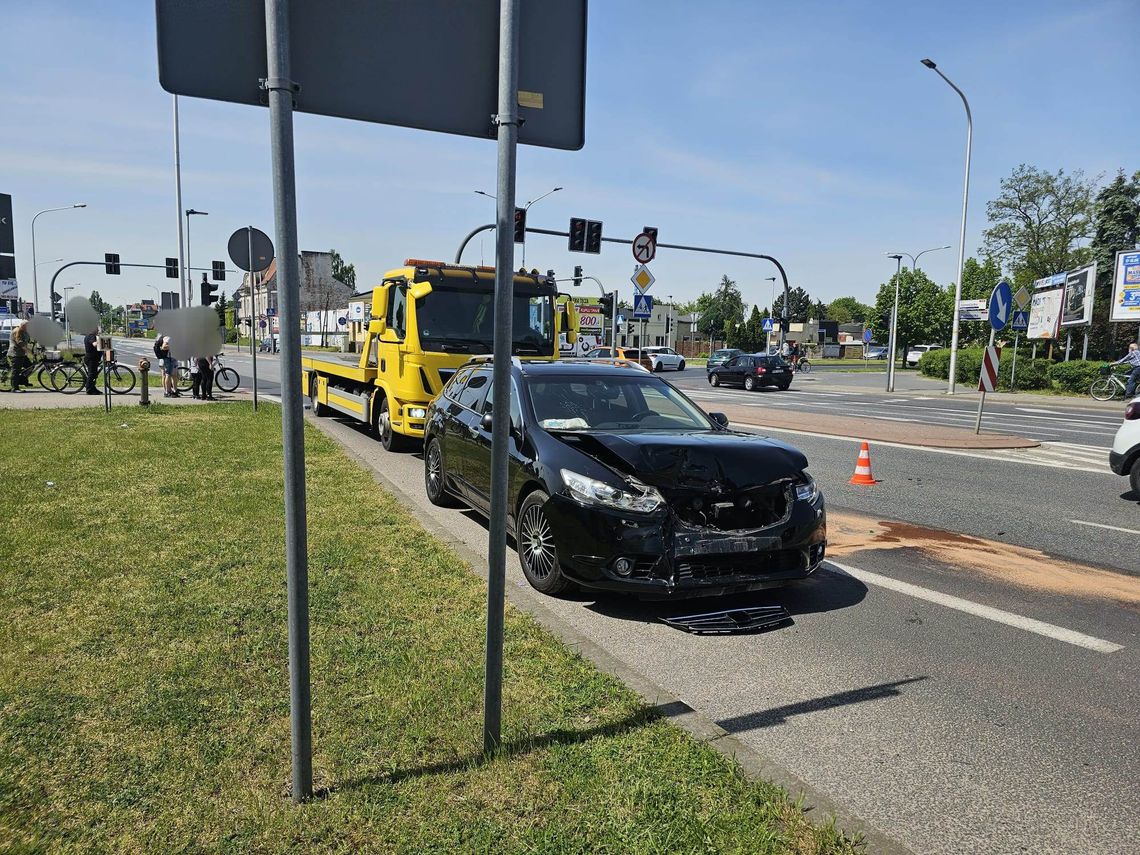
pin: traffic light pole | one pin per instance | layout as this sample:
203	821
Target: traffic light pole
121	264
682	247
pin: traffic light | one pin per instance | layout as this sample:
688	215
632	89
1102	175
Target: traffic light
520	225
594	237
651	231
111	261
668	324
56	305
219	274
577	235
577	275
785	324
607	301
207	291
172	268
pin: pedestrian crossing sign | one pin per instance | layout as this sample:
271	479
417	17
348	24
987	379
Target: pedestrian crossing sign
642	306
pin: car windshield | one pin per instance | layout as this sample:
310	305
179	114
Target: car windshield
461	320
624	403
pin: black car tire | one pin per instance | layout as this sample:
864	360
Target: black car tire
382	426
783	387
435	476
681	365
750	383
535	541
714	379
1134	477
658	366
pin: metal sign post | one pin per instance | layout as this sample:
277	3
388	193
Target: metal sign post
507	120
1000	306
252	251
280	86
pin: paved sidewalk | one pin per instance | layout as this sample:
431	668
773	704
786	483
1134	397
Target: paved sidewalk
872	430
38	399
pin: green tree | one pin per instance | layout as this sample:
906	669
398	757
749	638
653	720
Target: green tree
799	305
723	306
1116	228
342	272
848	310
754	335
1037	221
978	281
100	305
925	310
220	307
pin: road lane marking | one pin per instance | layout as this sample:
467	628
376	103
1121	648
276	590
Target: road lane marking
1017	621
1109	527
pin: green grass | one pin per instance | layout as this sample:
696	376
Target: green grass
143	680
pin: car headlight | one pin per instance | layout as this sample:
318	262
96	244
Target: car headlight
639	497
416	412
807	491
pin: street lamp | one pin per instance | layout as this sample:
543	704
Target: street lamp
189	265
35	280
962	235
914	258
891	344
526	207
66	316
772	312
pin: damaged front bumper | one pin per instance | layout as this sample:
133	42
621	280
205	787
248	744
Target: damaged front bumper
660	556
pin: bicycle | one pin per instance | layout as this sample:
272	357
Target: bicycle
70	379
225	378
1111	382
803	365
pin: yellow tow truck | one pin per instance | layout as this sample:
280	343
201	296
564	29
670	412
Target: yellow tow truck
427	319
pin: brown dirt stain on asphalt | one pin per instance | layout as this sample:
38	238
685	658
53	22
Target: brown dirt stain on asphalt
848	534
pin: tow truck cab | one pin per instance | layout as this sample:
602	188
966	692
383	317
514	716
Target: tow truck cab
427	319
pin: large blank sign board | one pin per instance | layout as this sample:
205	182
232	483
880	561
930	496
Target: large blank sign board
429	64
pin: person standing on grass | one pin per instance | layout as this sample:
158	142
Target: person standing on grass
1132	358
92	357
19	344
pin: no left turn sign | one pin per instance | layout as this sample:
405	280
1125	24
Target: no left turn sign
644	248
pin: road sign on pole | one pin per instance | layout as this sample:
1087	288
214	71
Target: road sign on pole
1019	321
988	379
1001	301
867	336
642	306
644	248
971	310
642	279
766	325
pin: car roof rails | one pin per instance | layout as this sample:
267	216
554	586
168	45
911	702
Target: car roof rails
606	360
484	358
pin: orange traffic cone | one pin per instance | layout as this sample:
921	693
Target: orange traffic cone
863	474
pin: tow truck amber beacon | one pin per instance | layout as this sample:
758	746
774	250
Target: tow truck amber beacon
426	319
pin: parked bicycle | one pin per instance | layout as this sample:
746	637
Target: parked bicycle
1105	387
225	378
70	379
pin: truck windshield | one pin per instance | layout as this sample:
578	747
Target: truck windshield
462	320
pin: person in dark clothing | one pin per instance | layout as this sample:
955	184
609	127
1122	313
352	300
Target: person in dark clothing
92	358
204	380
19	347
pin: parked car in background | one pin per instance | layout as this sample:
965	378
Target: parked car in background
633	354
719	357
874	351
618	481
1124	458
915	353
665	357
753	370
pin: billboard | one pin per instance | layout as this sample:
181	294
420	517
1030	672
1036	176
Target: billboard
1126	287
1080	288
591	320
1045	313
7	236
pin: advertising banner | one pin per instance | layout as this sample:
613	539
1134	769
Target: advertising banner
1045	313
7	236
590	319
972	310
1126	287
1080	288
1049	281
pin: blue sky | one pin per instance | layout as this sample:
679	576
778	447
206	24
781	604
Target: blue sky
807	131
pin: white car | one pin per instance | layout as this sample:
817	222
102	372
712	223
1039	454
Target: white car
1125	455
665	357
915	353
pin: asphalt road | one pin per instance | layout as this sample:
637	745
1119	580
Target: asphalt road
962	695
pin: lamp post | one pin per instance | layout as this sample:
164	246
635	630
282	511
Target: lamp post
913	267
67	289
35	280
190	212
914	258
891	344
526	207
929	63
772	313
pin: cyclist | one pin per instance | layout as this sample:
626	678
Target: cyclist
1132	358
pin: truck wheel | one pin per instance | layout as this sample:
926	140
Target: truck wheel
391	440
318	408
535	541
435	476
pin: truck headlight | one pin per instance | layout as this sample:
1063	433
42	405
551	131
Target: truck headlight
638	497
417	412
807	491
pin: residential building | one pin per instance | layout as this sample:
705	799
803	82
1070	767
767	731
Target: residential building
320	292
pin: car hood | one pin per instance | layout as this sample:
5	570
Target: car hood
700	462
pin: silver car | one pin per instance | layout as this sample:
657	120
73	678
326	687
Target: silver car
665	357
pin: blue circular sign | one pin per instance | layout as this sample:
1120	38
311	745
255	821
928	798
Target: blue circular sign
342	321
1001	305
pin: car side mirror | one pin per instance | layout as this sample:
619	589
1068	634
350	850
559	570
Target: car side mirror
720	418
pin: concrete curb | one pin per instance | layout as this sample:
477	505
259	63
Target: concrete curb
753	764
